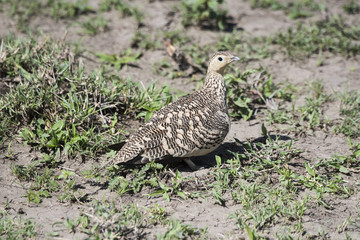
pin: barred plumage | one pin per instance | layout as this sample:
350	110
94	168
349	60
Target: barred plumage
194	125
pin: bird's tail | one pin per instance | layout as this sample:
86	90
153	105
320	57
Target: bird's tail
115	147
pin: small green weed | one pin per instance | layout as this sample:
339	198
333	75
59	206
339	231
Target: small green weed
249	48
16	227
119	60
156	214
151	99
105	220
352	7
124	8
177	230
94	25
295	9
151	175
146	176
61	136
271	154
261	157
343	164
281	116
272	4
311	111
176	37
251	87
144	41
308	116
165	68
350	112
174	188
206	13
331	35
22	11
199	55
43	183
63	9
322	183
270	206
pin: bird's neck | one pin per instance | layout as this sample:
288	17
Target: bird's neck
214	81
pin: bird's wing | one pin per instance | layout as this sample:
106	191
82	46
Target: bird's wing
176	130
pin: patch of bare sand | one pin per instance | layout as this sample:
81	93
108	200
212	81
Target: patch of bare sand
333	222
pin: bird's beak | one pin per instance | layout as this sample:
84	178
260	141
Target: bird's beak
234	58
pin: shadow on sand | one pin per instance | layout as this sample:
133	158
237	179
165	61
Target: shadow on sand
226	151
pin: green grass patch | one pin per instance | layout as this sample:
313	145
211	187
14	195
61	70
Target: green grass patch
248	48
350	113
23	11
178	230
121	59
176	37
204	13
251	89
310	115
144	42
330	35
311	112
94	25
153	178
123	8
295	9
266	185
66	113
16	227
46	180
258	180
107	220
57	106
343	164
352	7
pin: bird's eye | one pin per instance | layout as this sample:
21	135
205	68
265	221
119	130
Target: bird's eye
220	59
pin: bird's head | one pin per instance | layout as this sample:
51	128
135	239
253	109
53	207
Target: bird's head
220	60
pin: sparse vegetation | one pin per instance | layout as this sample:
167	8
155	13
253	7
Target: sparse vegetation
61	115
124	8
312	110
144	42
295	9
292	171
94	25
350	112
23	11
331	35
119	60
249	48
106	220
351	8
206	13
251	89
16	227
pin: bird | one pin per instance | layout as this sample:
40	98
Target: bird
194	125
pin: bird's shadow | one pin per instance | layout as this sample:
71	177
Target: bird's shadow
227	151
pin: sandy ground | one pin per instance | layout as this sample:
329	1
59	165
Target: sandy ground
337	73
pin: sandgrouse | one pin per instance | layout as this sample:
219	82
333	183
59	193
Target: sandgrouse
193	125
